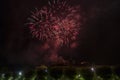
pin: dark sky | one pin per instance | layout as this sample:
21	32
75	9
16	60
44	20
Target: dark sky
99	37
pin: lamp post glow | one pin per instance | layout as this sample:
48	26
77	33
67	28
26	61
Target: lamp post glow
92	69
20	73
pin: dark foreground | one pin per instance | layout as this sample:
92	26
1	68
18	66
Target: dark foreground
62	73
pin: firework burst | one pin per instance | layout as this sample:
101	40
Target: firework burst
58	22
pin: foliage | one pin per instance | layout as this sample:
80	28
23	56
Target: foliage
56	72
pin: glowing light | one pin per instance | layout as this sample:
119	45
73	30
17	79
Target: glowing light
20	73
78	76
92	69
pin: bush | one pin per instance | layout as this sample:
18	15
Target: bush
41	74
29	74
70	73
87	74
8	75
56	72
104	72
117	71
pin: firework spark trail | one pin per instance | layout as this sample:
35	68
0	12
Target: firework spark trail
59	22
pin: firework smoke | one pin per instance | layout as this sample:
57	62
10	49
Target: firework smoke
57	24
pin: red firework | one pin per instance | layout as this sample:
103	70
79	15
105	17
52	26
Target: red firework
57	22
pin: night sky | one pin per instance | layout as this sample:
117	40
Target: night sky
99	38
